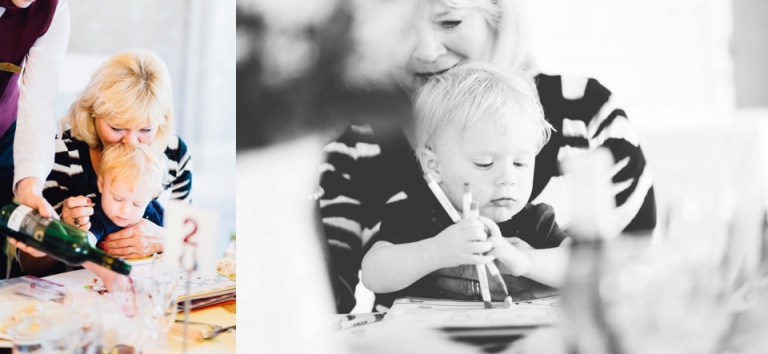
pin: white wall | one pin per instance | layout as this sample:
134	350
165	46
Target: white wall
662	58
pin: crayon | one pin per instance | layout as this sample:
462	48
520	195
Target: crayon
350	321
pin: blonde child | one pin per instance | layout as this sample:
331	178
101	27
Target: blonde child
131	176
481	125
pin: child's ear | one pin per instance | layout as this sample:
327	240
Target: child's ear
101	185
430	163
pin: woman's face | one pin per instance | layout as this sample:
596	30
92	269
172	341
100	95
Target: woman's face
109	134
445	37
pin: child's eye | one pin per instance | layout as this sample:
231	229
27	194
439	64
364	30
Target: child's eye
483	166
137	205
520	164
449	24
117	199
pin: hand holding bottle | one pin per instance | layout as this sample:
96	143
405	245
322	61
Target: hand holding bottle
30	193
63	242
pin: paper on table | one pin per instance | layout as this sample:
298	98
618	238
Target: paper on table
471	314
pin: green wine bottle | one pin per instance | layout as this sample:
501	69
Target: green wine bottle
54	237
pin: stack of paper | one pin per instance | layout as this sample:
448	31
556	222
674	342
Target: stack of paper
205	290
471	314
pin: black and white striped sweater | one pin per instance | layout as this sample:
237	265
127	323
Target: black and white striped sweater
73	173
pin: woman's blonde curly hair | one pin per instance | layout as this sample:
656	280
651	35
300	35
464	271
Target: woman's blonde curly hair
126	90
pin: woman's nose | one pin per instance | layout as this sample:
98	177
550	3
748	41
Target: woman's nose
428	46
131	137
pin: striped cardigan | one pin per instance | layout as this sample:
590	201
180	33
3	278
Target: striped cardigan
73	173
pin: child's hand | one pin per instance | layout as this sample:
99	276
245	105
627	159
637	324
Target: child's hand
518	243
463	243
514	260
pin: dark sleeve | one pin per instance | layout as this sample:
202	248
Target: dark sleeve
396	227
154	212
98	223
548	233
180	168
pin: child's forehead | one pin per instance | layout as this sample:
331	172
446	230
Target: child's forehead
122	184
509	131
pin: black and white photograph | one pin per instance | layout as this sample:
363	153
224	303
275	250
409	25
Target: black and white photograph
503	176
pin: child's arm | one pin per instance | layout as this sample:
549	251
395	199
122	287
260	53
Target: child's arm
105	274
546	266
389	267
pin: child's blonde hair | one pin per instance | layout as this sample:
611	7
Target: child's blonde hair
475	91
128	88
134	163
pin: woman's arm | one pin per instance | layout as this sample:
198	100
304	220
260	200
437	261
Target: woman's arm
180	167
594	118
33	147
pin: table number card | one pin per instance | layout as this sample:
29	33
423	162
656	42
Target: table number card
191	237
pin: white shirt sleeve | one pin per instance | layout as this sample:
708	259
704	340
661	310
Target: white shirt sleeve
33	148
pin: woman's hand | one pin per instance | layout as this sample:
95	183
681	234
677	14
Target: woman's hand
31	251
140	240
77	212
30	193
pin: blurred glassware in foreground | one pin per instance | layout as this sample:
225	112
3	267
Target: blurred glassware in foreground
41	326
676	295
586	328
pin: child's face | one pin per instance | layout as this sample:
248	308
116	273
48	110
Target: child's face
497	163
122	203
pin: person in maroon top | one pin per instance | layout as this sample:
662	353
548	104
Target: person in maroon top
34	36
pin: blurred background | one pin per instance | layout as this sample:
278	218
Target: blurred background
692	76
196	39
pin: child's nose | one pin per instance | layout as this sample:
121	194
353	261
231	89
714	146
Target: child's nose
507	175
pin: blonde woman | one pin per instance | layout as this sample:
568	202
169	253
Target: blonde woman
128	101
367	170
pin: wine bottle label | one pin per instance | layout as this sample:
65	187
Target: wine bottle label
14	221
28	222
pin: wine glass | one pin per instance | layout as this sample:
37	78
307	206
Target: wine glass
157	308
